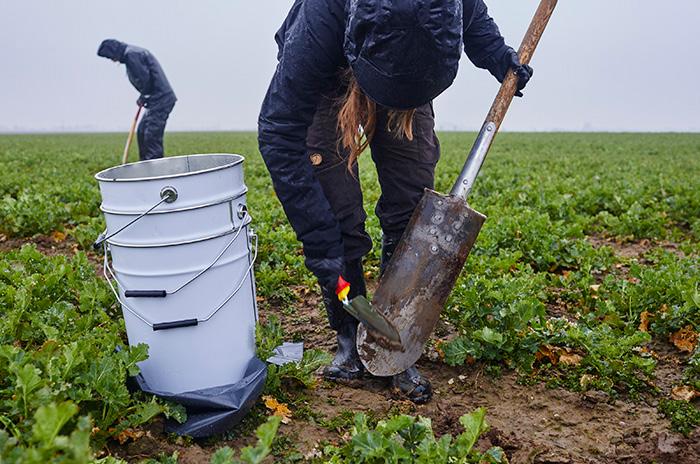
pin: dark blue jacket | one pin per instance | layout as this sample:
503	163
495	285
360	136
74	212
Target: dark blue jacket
143	70
310	58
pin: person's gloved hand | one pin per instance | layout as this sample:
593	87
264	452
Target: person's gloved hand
141	101
523	71
326	270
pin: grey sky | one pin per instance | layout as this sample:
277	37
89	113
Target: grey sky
602	65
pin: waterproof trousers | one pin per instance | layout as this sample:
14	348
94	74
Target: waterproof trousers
404	167
151	130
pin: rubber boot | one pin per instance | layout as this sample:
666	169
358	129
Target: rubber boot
346	364
413	386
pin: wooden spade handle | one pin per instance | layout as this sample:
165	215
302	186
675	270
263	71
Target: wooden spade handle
527	49
125	156
497	113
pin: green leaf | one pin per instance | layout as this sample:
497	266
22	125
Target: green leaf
371	444
268	336
223	455
175	411
133	355
474	425
489	335
50	419
266	434
77	445
458	350
27	380
145	412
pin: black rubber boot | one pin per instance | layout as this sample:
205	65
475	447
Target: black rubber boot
413	386
346	364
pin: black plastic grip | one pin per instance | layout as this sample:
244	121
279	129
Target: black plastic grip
175	324
99	241
145	293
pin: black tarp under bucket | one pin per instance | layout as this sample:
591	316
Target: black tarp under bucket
215	410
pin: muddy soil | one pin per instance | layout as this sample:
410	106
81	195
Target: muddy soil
533	424
633	249
47	245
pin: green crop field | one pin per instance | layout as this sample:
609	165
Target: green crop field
581	299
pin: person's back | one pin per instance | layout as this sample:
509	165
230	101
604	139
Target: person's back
155	89
156	94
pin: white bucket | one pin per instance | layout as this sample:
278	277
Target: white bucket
182	256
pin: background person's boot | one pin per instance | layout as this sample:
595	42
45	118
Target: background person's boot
413	386
346	364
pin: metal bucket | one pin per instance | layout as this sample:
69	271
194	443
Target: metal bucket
178	231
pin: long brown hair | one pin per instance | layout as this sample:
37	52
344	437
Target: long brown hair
357	111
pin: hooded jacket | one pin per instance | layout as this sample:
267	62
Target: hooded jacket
312	46
143	70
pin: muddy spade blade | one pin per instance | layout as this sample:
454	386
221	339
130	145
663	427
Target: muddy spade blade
380	329
419	278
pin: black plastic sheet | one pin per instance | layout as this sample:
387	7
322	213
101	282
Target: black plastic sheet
215	410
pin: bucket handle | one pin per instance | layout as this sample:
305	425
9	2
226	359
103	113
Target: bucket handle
109	275
167	195
242	214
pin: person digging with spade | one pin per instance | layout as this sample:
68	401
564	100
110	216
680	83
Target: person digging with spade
353	74
157	96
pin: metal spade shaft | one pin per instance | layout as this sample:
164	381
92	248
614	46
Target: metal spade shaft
501	103
437	241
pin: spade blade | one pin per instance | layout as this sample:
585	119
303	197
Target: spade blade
382	330
419	278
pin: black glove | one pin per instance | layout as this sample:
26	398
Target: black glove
141	101
523	71
326	270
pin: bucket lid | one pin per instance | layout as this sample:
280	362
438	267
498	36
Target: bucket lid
167	168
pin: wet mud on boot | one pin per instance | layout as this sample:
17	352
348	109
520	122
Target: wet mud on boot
412	386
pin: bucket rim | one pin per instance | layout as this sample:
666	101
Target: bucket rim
236	159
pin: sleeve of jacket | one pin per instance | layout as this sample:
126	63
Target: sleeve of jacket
483	42
307	67
137	65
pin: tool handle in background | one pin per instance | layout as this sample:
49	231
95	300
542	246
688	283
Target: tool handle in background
501	103
125	157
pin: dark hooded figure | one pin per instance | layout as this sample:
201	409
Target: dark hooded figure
146	75
375	65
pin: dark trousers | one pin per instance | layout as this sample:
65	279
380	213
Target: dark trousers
151	130
405	168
